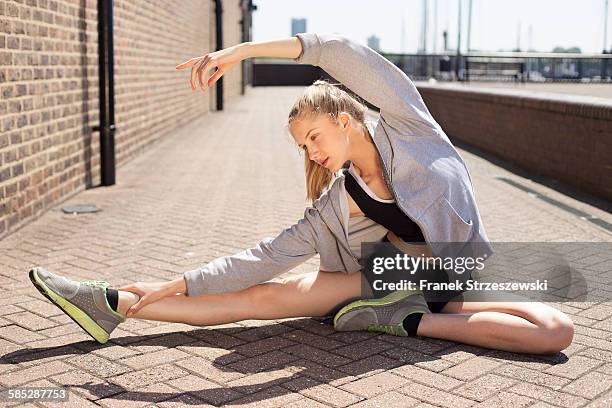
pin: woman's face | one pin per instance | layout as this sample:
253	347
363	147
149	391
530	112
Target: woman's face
324	141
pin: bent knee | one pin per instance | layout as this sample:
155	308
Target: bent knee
557	333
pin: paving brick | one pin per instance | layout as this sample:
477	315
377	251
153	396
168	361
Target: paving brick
114	352
86	384
183	400
410	356
484	387
101	366
305	402
322	392
606	368
574	367
217	337
254	348
15	333
37	356
254	383
154	358
369	366
415	343
211	352
426	377
363	349
471	369
532	376
593	342
598	312
603	401
320	373
318	356
589	385
24	376
547	395
376	384
263	362
270	397
209	370
435	396
151	375
320	342
206	390
30	320
506	400
152	393
74	400
62	340
262	332
391	399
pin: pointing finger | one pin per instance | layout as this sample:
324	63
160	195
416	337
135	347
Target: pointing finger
188	63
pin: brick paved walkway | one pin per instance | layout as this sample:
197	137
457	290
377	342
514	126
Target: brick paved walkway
173	209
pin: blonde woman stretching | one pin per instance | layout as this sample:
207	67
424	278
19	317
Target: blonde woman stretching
399	180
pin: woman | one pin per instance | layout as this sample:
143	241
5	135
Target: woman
400	181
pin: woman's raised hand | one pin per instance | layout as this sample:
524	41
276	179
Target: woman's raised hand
223	60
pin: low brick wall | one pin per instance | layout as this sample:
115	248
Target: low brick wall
49	90
564	137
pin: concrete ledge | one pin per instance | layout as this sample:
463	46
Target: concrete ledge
564	137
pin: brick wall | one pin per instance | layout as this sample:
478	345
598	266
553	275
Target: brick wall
49	90
564	137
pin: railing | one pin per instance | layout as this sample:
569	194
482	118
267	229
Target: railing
506	66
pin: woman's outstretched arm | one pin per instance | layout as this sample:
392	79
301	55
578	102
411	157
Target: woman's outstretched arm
358	67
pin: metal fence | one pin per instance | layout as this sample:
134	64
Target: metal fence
506	66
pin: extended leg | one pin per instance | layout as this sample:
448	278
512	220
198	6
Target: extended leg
306	295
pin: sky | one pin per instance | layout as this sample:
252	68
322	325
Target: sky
496	24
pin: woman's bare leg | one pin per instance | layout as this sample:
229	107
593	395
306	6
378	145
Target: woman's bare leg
306	295
518	326
527	327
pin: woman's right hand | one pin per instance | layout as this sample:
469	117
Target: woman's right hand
223	60
149	292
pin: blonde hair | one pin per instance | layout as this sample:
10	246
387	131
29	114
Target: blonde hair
324	98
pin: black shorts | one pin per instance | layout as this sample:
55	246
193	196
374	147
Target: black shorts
435	300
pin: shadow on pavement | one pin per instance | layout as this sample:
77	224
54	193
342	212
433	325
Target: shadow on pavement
240	353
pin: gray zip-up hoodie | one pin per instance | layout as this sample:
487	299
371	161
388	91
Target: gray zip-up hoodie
428	179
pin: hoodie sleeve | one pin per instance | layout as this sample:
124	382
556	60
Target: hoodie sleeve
369	75
268	259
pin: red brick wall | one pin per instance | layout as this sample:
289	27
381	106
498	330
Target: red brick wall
568	138
49	90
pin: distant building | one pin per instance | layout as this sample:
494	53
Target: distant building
298	25
374	43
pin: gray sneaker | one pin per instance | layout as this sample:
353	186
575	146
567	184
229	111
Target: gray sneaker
84	302
384	315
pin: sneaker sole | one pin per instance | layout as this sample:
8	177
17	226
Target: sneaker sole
75	313
359	305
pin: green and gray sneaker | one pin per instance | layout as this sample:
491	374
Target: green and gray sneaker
384	315
84	302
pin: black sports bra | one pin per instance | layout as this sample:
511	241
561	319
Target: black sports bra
386	214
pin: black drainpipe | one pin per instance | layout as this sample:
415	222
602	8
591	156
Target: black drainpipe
219	46
106	92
